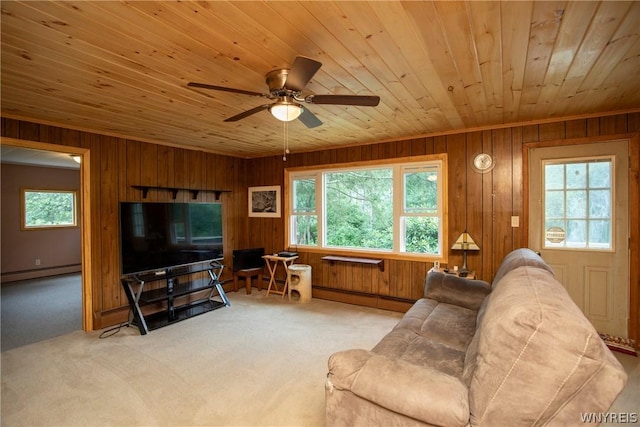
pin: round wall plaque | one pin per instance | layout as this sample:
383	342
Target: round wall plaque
483	163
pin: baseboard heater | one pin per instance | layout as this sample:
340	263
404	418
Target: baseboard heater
384	302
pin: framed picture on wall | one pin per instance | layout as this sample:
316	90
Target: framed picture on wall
264	201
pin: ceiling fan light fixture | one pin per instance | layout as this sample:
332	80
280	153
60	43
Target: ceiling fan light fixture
285	111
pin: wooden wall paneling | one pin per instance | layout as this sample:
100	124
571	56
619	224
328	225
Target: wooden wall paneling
487	208
593	126
238	207
474	202
633	123
132	165
387	150
180	172
195	173
502	197
530	133
92	143
384	282
333	275
419	273
458	193
29	131
10	128
165	171
517	189
439	144
149	169
50	134
576	128
493	211
367	277
395	277
402	279
553	131
109	233
403	148
611	125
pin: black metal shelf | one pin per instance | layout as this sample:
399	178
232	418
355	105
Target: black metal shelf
162	318
174	288
180	289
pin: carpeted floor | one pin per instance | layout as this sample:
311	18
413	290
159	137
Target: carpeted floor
38	309
261	361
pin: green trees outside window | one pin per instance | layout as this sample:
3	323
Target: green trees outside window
49	208
396	207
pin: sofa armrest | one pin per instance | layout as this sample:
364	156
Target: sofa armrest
451	289
421	393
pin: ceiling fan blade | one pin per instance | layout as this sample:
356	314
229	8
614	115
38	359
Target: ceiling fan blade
302	70
309	119
361	100
247	113
226	89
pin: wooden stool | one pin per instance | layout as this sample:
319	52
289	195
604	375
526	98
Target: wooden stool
248	274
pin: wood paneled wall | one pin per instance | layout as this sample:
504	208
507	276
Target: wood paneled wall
116	165
483	204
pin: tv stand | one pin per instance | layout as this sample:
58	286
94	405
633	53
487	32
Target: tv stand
176	297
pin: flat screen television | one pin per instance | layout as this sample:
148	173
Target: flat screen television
155	236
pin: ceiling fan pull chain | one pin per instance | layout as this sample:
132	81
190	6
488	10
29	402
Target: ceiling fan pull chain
285	136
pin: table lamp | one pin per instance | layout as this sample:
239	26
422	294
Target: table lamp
465	243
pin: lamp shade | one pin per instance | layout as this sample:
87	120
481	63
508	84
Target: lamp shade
285	111
465	243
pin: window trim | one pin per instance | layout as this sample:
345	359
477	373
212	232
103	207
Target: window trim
23	209
392	162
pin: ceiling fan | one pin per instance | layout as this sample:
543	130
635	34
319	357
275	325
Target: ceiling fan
286	86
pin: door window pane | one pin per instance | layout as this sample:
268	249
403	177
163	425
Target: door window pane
578	204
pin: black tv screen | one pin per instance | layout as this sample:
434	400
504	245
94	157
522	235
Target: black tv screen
155	236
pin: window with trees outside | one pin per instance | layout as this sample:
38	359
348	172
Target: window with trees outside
375	207
578	204
48	208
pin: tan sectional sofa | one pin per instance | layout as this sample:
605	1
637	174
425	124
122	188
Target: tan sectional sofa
516	352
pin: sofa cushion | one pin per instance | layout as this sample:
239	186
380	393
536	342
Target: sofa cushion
421	393
534	354
455	290
424	336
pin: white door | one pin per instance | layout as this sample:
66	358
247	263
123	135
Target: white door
579	222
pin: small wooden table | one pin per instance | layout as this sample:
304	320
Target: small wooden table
470	275
272	265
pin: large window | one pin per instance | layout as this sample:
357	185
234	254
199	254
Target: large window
395	208
48	208
578	204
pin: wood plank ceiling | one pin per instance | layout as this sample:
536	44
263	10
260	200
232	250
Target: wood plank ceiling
121	68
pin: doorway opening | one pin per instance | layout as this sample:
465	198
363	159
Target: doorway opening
84	216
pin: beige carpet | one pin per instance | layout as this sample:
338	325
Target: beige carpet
260	362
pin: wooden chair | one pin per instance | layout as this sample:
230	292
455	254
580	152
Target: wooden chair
248	275
248	263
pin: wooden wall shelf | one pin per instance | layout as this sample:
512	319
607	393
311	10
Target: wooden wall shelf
174	191
371	261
